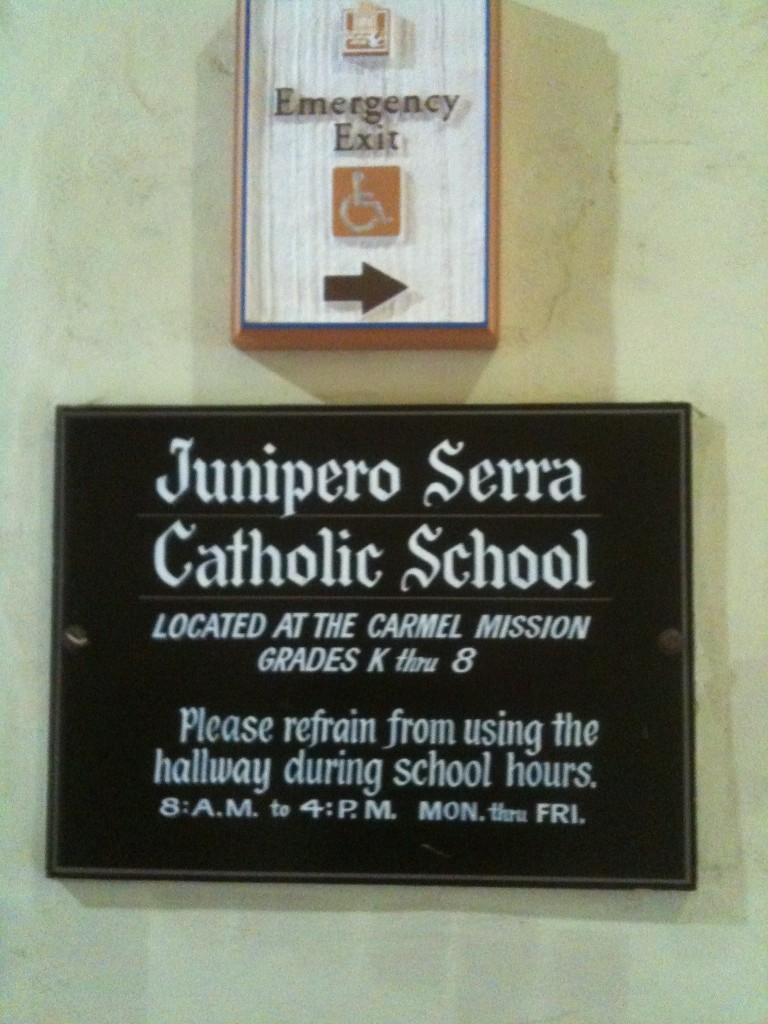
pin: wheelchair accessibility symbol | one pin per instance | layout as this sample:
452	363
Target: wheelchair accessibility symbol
366	202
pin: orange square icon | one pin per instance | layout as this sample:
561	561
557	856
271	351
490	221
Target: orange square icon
366	202
366	31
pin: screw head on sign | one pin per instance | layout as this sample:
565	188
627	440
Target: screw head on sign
75	638
670	642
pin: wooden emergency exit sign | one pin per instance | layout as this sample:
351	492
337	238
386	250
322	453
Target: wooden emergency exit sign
366	206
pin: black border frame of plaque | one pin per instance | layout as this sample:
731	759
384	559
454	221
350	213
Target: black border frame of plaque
77	759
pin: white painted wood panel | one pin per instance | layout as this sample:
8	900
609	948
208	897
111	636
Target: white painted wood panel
438	49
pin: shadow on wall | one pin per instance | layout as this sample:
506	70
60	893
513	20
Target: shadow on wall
559	214
722	885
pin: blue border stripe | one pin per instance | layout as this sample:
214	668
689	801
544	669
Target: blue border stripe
410	325
244	169
488	101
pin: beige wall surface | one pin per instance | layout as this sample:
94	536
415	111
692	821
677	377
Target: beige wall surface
633	268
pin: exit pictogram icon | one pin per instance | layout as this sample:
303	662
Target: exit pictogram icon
366	31
366	202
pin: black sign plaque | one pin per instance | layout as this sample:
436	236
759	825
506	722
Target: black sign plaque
408	645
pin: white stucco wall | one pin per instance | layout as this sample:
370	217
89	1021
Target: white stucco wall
634	268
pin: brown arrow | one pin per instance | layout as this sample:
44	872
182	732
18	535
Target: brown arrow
372	287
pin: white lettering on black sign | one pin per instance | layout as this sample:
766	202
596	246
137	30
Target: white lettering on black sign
400	645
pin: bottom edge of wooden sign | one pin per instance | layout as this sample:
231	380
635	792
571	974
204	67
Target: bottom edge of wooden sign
362	338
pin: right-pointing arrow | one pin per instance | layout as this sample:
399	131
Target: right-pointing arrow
372	287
